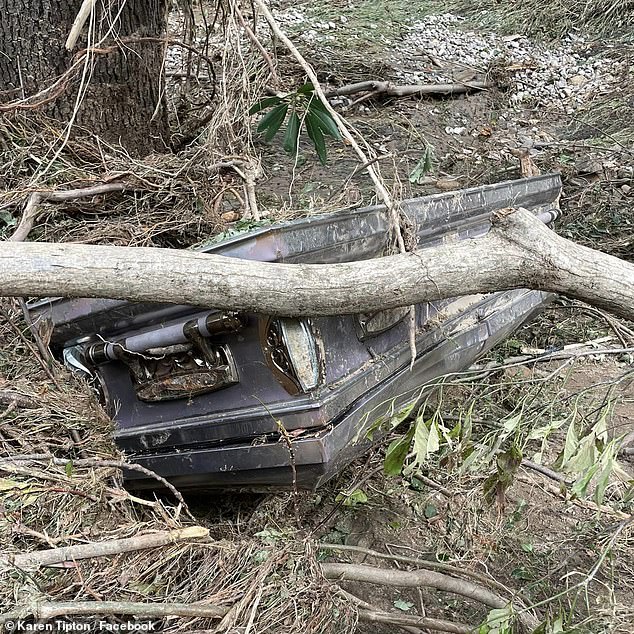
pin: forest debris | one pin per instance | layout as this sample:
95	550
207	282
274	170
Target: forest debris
549	262
527	166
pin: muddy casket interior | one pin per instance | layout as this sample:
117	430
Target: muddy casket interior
214	399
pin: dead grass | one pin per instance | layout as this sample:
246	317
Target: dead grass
552	20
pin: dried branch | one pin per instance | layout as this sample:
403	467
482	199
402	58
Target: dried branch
518	252
32	208
45	610
8	397
421	563
388	89
78	24
39	558
258	45
418	578
375	616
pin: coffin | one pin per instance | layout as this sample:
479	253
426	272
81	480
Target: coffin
211	399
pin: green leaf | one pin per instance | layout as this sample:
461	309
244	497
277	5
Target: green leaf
68	468
316	136
356	497
421	440
272	121
396	454
306	89
603	480
401	415
498	621
291	136
585	457
8	218
541	433
405	606
580	487
423	167
325	119
433	444
511	424
267	102
510	461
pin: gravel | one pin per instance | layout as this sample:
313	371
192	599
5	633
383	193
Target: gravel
440	48
436	47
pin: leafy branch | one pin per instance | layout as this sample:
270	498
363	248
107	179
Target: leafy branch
300	110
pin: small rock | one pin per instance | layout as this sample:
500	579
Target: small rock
448	184
459	130
230	216
626	189
578	80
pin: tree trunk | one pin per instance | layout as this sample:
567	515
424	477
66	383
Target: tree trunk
518	252
123	100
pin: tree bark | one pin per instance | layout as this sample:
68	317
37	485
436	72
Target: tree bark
518	252
124	98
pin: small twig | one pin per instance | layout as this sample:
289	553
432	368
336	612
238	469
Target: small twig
373	616
78	24
549	473
360	603
247	170
39	342
53	556
617	327
42	363
52	610
435	485
557	355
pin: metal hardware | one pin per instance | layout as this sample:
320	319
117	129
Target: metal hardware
291	350
202	369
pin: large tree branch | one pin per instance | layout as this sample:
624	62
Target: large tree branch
518	252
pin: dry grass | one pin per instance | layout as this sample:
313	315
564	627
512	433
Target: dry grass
552	20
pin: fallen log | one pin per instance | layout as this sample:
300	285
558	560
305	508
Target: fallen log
518	252
388	89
